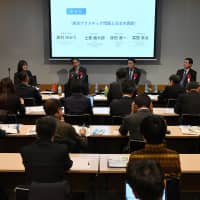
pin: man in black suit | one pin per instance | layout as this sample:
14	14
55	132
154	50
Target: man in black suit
77	103
141	108
44	160
115	89
122	106
189	103
133	72
77	72
173	90
64	131
187	74
24	90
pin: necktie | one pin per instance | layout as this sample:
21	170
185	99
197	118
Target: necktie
183	80
131	74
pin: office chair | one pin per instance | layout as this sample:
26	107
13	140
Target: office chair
190	119
29	101
82	119
135	145
171	103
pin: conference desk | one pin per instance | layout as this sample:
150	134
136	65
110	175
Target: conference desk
90	172
101	115
115	177
85	168
101	139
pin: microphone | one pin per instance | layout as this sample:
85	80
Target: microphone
9	72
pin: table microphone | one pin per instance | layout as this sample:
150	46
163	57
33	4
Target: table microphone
9	72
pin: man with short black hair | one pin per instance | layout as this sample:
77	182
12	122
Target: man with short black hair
153	128
77	103
115	88
122	106
133	72
64	131
146	179
189	103
44	160
24	90
173	90
187	74
141	107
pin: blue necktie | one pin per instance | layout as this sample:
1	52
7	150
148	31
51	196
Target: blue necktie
183	79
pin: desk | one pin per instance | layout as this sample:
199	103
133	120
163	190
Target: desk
102	139
12	171
51	96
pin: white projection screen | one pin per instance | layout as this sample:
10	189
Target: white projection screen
103	29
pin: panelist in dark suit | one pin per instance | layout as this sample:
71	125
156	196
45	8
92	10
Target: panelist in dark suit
24	90
141	108
77	103
173	90
77	72
44	160
65	131
9	101
187	74
23	66
133	72
122	106
189	103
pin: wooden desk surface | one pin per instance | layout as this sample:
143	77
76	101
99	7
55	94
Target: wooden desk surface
82	163
51	96
190	163
99	131
166	112
101	111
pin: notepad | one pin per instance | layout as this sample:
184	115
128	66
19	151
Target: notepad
117	163
190	130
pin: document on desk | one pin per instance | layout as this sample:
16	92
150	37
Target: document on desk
34	109
190	130
101	110
10	128
120	162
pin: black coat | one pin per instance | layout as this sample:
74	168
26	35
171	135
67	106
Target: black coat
136	75
45	161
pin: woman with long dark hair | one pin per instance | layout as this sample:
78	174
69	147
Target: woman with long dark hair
23	66
9	100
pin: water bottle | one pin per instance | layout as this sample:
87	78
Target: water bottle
60	90
96	88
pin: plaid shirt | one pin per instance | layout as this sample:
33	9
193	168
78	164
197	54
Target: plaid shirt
168	159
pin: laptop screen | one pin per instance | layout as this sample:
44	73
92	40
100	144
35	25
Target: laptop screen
131	196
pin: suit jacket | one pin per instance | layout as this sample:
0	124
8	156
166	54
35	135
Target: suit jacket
121	107
171	92
45	161
81	75
32	81
65	132
12	104
191	75
167	158
77	104
136	75
131	124
26	91
188	103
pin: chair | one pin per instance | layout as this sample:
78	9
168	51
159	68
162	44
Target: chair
29	101
83	119
173	188
41	191
190	119
117	120
6	117
171	103
135	145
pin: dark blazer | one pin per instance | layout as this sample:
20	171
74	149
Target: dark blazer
81	75
26	91
171	92
192	74
45	161
121	107
12	104
131	124
188	103
136	75
32	80
66	132
77	104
